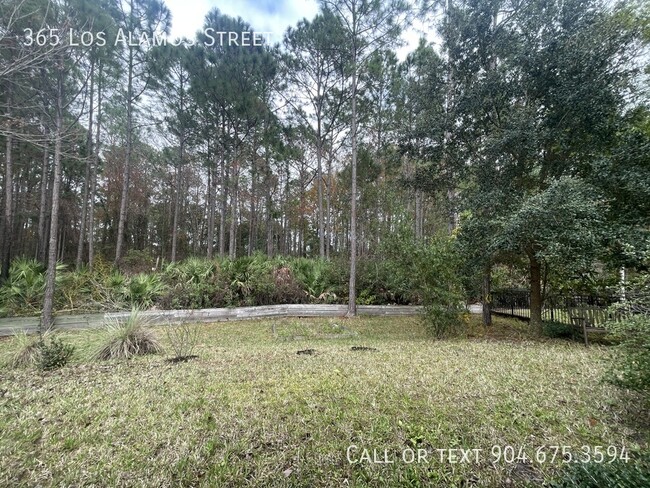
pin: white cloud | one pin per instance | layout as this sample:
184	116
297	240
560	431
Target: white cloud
268	16
187	16
263	15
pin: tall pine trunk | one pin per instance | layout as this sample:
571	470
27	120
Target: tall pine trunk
232	245
8	220
47	320
269	205
93	177
179	171
225	177
89	156
352	297
252	221
211	205
319	176
127	161
328	200
42	209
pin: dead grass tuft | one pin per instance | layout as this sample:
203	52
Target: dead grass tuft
128	339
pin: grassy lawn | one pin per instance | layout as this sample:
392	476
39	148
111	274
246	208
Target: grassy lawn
250	411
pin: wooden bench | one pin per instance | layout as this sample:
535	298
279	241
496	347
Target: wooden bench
581	323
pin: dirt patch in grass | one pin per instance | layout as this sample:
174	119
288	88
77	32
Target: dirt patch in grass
307	352
182	359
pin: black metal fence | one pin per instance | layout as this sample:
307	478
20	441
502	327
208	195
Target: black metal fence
566	309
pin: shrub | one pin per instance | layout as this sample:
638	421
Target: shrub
286	289
427	273
22	293
137	261
251	279
143	289
212	294
54	353
183	338
78	290
558	330
46	352
312	276
631	366
127	339
380	280
192	270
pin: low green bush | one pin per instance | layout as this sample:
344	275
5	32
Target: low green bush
45	352
142	290
401	273
314	277
630	367
53	353
22	292
558	330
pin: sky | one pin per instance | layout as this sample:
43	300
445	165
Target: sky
272	16
263	15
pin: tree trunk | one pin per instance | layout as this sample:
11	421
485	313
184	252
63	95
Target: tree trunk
179	170
211	206
8	221
48	300
42	209
622	281
451	85
284	215
487	296
319	176
252	221
535	291
225	187
302	230
269	206
328	217
177	206
89	155
418	215
93	178
232	246
352	297
127	161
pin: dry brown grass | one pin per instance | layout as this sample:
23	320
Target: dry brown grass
124	340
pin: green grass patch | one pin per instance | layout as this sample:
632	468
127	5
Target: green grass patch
294	329
249	411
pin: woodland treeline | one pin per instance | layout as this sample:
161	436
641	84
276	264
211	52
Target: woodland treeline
522	131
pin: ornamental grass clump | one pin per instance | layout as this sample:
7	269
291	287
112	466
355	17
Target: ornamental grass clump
28	351
127	339
45	352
